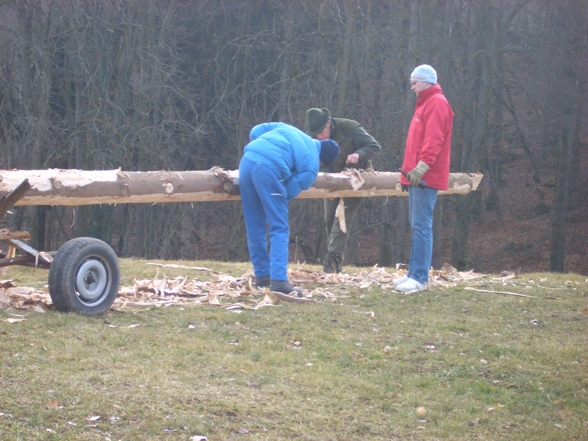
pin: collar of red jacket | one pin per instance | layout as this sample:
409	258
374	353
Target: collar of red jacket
434	89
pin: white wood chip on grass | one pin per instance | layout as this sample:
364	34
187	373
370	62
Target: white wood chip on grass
239	293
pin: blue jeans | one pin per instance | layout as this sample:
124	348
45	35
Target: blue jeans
265	208
421	203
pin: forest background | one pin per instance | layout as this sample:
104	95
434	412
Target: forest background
177	85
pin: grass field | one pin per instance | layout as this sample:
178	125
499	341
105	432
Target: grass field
373	364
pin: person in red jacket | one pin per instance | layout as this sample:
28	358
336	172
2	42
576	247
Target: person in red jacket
426	164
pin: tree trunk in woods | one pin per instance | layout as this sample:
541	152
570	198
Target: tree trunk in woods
81	187
443	69
394	225
474	121
344	60
569	57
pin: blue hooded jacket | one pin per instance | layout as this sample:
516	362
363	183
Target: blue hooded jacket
293	152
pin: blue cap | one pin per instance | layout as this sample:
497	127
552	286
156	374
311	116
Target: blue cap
329	152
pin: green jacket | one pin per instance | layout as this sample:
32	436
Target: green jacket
352	138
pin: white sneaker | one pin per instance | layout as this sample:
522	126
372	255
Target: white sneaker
400	281
411	286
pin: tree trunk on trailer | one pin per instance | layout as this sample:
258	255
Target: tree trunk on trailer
81	187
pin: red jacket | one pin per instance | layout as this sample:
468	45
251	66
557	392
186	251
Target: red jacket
429	138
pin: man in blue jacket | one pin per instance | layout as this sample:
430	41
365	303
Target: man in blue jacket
278	163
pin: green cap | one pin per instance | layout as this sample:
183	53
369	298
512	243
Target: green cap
316	120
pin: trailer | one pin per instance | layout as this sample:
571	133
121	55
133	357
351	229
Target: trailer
84	274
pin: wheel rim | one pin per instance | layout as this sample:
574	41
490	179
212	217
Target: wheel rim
92	281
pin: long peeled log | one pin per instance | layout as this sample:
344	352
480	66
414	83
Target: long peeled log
92	187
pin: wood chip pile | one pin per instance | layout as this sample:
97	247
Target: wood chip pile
239	293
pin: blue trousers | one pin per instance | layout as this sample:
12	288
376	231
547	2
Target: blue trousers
421	203
265	208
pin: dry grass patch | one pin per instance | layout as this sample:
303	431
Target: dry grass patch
447	364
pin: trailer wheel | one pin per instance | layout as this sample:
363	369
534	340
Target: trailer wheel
84	277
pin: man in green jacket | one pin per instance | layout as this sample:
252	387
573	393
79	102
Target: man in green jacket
357	148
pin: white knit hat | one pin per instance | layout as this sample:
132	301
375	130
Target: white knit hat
424	72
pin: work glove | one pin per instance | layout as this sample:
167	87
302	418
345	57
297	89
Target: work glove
416	174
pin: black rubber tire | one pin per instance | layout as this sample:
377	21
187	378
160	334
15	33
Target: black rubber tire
84	277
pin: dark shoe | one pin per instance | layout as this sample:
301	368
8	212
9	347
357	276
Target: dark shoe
284	287
332	264
262	282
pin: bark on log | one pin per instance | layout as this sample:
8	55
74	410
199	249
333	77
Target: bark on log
81	187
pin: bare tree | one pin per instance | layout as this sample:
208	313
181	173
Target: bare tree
472	126
177	85
564	26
